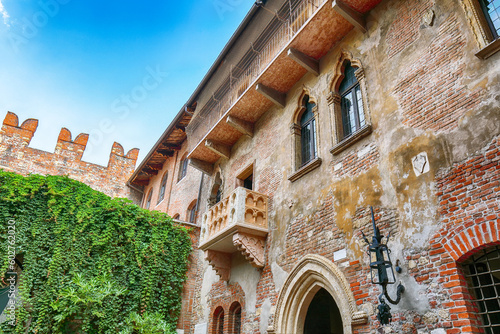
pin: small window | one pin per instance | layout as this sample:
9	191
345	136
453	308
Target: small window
351	103
245	178
235	318
482	272
163	187
218	321
176	216
148	201
491	11
191	214
183	168
307	132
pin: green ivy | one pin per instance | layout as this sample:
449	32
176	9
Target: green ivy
91	264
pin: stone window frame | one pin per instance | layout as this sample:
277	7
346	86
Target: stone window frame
334	99
163	188
487	44
300	170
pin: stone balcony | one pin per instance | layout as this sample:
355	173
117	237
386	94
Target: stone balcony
236	223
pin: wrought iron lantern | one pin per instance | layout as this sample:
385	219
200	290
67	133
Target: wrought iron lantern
382	272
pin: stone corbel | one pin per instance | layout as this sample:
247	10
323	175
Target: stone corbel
221	262
251	247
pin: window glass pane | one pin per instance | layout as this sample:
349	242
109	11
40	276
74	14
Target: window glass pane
491	9
361	112
305	137
349	78
347	108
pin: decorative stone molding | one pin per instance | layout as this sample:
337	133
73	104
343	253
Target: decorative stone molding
480	29
334	99
221	262
312	273
312	165
237	223
251	247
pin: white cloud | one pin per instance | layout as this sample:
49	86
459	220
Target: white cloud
4	14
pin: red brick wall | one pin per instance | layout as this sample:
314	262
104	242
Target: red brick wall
225	295
431	92
16	155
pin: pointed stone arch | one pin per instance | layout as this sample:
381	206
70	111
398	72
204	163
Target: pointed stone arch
311	274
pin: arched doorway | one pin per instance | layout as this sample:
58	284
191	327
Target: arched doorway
299	298
323	315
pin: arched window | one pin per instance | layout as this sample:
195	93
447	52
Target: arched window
183	167
351	103
163	187
176	216
491	10
305	137
235	318
218	321
308	139
348	104
148	200
484	20
191	214
482	272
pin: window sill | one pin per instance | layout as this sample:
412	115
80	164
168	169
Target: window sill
313	164
351	140
489	49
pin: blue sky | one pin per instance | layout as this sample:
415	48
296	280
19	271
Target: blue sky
118	70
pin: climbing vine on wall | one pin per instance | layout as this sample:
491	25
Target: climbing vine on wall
91	264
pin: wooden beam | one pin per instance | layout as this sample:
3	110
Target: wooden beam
274	96
218	148
242	126
309	63
165	152
354	17
155	166
202	166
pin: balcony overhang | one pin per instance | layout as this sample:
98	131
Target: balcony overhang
238	223
329	23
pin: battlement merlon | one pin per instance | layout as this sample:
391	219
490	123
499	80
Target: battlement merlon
11	128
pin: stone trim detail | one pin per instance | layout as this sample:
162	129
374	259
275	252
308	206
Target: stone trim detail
313	164
334	100
351	140
312	273
221	262
251	247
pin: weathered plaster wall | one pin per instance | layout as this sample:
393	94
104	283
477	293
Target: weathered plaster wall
428	94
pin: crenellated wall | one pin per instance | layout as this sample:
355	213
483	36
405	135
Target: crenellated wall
17	156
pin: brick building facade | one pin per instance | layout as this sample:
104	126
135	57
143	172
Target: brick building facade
315	111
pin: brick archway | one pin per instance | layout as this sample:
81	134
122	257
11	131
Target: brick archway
454	246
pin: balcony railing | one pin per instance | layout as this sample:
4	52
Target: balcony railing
237	223
239	80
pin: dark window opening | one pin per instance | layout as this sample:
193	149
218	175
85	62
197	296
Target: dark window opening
323	315
482	272
163	187
491	10
192	213
218	195
218	321
351	103
183	169
248	182
148	201
307	132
